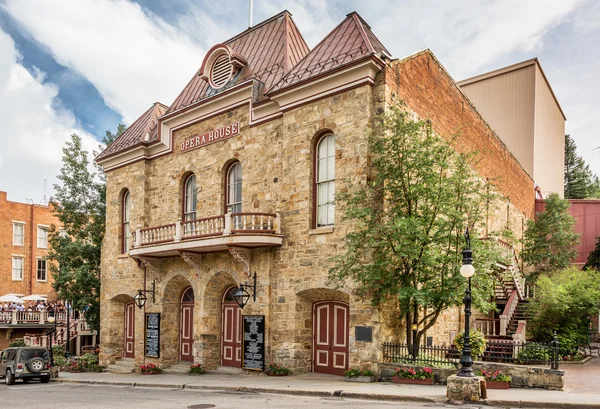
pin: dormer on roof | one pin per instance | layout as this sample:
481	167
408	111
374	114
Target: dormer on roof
220	65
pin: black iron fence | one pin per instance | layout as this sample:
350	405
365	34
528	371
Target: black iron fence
497	350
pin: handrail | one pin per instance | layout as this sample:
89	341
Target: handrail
507	313
487	326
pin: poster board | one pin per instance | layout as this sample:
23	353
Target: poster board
152	344
253	347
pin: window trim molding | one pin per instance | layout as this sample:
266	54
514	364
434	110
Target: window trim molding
184	197
15	222
22	257
125	196
228	168
37	259
47	229
322	134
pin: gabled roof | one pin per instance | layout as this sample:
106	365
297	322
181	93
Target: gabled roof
350	41
137	131
271	49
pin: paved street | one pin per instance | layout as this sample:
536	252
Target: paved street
583	378
71	396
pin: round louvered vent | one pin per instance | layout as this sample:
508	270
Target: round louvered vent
221	71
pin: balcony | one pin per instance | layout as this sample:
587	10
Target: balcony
208	234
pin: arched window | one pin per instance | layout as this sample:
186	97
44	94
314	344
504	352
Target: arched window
234	188
125	219
325	181
188	295
189	199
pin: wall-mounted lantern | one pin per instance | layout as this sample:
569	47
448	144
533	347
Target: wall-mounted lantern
242	295
140	297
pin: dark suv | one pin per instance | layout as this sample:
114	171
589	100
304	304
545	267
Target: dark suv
25	363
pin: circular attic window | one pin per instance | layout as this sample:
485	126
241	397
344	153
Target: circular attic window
221	71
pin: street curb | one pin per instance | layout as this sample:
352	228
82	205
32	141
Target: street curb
339	393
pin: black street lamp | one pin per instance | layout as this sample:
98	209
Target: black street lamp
52	319
467	270
242	295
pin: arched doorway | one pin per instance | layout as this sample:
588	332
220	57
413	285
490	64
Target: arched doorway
186	325
231	336
330	337
129	331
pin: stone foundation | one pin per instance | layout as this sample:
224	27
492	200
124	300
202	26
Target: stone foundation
464	389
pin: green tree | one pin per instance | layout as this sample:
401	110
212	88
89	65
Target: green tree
550	240
593	261
80	206
565	301
110	137
406	239
580	182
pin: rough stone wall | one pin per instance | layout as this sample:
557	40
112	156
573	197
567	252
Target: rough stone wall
32	215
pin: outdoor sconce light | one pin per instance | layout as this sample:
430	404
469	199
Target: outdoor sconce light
140	297
242	295
414	327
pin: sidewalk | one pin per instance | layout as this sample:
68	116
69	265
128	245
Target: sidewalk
326	386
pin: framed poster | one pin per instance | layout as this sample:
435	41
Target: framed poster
152	335
253	348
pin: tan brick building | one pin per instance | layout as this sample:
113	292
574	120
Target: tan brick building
235	177
23	248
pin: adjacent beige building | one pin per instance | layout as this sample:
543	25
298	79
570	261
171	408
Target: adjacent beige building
518	103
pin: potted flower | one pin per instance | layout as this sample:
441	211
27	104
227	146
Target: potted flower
150	369
496	380
274	369
196	369
356	375
414	376
76	366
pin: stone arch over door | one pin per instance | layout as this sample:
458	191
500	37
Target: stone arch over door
170	318
211	316
112	346
306	299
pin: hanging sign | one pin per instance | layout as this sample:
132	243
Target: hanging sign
153	335
206	138
253	350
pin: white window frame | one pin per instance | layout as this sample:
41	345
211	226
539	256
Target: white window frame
189	198
234	188
37	269
42	227
126	221
15	224
14	258
325	182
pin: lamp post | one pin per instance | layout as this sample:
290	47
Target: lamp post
415	351
52	320
467	270
67	346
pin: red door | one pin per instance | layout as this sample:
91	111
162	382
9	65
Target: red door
330	337
231	334
186	326
128	348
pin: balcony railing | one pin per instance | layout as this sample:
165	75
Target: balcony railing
31	317
228	224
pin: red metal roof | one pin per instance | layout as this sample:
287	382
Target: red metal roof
136	132
271	48
350	41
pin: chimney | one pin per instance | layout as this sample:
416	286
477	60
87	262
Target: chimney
3	196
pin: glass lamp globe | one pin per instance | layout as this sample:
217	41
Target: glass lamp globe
241	297
467	270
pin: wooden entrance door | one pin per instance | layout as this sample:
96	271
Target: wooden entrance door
330	337
128	347
231	334
186	326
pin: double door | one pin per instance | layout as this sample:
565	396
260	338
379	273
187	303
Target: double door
330	337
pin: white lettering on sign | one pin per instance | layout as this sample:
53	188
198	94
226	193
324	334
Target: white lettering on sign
220	134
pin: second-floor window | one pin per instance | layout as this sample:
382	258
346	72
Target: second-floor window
189	199
125	216
17	268
234	188
18	234
42	237
325	181
41	269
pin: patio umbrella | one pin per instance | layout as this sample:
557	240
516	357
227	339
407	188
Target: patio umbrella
34	297
11	298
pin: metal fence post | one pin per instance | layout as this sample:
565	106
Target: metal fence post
555	349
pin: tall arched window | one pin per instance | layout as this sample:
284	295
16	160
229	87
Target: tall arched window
325	181
234	188
125	219
189	199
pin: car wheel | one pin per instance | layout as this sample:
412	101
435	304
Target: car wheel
45	379
9	379
35	365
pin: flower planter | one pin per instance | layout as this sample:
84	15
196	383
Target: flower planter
497	384
150	373
427	381
360	379
276	374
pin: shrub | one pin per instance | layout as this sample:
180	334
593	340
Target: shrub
497	376
196	369
57	351
275	369
477	341
355	373
533	353
60	361
150	368
17	343
414	373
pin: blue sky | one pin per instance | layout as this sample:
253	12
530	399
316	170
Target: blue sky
86	65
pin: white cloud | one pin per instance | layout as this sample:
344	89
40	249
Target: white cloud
131	57
33	129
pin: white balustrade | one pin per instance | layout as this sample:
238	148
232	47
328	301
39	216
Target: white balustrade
204	227
160	234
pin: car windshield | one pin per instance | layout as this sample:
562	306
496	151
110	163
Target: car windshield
28	354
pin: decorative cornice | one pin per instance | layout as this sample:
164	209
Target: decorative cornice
193	259
242	255
152	265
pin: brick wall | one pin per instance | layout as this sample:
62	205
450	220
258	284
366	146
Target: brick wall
32	216
430	92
